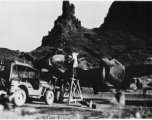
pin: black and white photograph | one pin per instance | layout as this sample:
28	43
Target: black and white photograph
75	59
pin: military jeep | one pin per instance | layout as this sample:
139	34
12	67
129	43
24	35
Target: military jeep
22	81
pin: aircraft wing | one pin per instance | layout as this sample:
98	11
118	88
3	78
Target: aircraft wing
138	70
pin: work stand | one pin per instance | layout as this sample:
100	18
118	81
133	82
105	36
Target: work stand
72	88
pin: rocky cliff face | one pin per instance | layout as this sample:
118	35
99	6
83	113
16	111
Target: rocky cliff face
127	24
63	26
129	16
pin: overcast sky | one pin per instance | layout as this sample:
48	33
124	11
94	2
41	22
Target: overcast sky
24	23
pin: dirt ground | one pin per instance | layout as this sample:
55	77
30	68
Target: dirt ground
136	107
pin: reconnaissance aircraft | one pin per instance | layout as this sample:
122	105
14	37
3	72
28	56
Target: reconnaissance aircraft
118	75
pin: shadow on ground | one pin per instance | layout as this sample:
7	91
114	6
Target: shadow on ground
139	103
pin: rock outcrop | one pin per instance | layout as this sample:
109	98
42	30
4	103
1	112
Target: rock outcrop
130	17
127	24
63	26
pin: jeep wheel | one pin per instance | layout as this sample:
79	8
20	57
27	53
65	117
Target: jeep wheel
19	97
57	96
49	97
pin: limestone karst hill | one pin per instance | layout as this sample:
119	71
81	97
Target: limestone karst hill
127	24
129	16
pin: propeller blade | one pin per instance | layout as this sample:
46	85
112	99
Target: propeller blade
50	54
91	52
122	52
28	57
